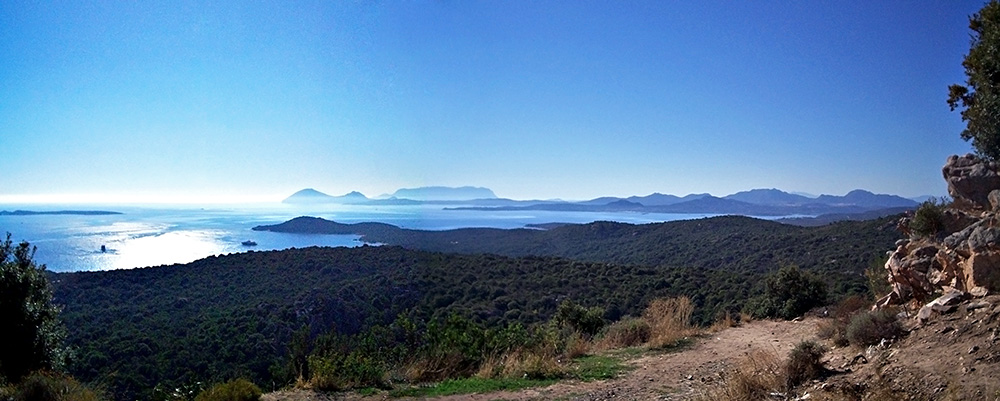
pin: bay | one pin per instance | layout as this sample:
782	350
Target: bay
159	235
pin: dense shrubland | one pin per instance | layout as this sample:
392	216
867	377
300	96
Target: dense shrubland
275	318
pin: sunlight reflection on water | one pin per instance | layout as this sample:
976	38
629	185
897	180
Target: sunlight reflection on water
143	237
166	248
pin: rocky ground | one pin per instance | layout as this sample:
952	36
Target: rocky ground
952	356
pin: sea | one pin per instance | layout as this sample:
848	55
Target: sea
155	235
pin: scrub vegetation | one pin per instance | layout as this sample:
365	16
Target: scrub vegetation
381	317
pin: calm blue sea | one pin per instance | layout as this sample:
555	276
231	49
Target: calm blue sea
153	236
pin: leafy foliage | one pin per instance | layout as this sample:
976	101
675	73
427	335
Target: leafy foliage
980	96
927	221
585	320
878	277
47	386
32	332
233	390
788	293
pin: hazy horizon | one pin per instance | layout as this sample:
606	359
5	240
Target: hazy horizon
234	103
139	201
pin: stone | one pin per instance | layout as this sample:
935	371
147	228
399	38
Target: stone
952	297
984	238
983	270
994	198
954	220
971	179
925	313
976	305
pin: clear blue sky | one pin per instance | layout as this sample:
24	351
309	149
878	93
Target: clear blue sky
181	100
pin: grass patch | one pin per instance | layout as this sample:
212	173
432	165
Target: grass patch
471	385
597	367
628	353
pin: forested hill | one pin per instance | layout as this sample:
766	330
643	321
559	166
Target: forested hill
233	316
733	243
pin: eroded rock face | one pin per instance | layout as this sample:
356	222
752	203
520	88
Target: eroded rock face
971	179
965	258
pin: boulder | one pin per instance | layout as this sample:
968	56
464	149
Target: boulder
967	261
971	179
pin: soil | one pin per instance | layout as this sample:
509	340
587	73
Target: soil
666	376
953	356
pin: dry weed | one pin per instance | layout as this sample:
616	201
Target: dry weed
669	321
723	323
628	332
577	345
754	377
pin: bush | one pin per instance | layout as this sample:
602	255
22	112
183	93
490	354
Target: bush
869	328
804	363
585	320
32	332
834	330
43	386
628	332
336	372
878	277
233	390
927	221
788	293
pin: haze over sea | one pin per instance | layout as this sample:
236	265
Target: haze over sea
164	235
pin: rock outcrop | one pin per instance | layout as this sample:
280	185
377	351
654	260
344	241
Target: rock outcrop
962	259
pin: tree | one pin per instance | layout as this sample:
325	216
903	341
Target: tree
32	334
788	293
980	96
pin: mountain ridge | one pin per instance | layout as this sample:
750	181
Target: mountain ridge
755	202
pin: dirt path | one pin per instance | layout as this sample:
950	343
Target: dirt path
669	376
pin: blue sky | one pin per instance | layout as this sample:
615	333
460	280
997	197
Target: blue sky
187	101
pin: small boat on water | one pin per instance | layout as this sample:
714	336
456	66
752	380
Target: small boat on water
249	243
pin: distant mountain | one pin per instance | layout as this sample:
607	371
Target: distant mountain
770	197
444	193
866	200
308	195
312	196
716	205
656	199
604	200
923	198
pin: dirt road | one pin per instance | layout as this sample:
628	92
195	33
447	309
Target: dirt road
668	376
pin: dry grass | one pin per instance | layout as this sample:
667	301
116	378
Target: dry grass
754	377
669	321
847	307
628	332
723	323
577	345
522	363
435	369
